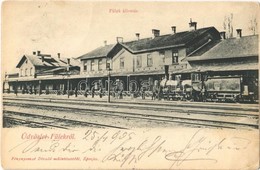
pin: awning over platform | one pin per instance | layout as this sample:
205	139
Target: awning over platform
231	67
220	68
205	68
144	72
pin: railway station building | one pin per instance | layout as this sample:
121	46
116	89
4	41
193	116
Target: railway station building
139	65
41	74
233	59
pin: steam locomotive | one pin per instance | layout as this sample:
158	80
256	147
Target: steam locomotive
202	87
197	86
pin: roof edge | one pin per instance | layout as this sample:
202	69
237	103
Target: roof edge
196	58
151	49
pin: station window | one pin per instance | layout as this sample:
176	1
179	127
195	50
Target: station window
175	57
31	71
25	72
139	61
122	63
149	60
21	72
195	77
100	64
108	65
92	65
85	65
162	56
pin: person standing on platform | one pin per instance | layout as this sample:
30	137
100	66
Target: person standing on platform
76	92
100	92
142	93
93	92
15	90
86	93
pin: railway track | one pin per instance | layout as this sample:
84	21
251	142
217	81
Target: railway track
230	106
187	119
50	121
31	123
228	111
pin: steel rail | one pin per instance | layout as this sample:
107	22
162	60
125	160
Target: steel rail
172	108
175	119
55	118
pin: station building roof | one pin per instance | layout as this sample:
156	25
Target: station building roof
151	44
47	61
246	46
104	51
98	52
168	41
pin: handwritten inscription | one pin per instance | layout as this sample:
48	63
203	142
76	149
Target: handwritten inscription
124	148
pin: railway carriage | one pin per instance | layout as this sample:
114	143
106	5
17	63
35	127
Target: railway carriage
230	89
213	87
235	88
223	88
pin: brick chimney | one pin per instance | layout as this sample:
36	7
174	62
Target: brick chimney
42	57
193	25
223	35
137	36
105	43
119	39
156	33
68	61
173	29
34	52
239	33
58	55
38	53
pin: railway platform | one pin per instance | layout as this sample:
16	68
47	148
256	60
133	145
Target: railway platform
129	99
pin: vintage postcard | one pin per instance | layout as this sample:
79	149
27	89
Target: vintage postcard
130	85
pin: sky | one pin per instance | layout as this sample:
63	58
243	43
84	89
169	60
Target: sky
74	28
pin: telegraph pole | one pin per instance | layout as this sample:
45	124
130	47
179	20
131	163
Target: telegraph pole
16	88
68	82
108	83
40	87
68	87
108	79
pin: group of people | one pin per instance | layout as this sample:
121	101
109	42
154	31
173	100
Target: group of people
158	90
116	93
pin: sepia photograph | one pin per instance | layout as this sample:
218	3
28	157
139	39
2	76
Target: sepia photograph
130	85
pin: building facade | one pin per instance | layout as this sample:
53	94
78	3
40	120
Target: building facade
140	65
41	74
